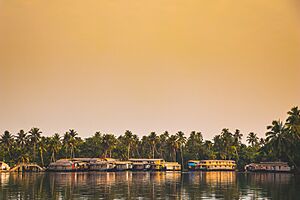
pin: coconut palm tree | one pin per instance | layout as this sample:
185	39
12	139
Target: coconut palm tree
276	138
153	140
54	146
34	137
181	139
173	146
109	143
293	123
162	146
252	139
22	141
73	141
7	141
42	147
128	139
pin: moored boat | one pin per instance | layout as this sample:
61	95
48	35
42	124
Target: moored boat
172	166
192	164
216	165
68	165
145	164
268	167
106	164
123	166
4	167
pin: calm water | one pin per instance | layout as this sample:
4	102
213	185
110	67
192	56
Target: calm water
146	185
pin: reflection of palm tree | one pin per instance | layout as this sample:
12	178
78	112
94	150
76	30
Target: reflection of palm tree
34	136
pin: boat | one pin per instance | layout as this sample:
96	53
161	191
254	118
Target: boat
4	167
268	167
172	166
144	164
68	165
123	165
216	165
192	164
106	164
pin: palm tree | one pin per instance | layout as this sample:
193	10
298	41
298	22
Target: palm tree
7	142
276	138
23	144
109	143
181	139
73	141
42	146
237	137
34	137
252	139
293	122
173	146
22	139
163	138
54	146
153	139
128	139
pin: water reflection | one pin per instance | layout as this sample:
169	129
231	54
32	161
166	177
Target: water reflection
146	185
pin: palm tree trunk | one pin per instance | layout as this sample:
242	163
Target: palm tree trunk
34	147
42	158
182	165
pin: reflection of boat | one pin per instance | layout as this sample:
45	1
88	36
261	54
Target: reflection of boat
216	165
4	167
268	167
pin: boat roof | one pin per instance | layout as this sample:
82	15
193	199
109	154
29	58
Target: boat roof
146	159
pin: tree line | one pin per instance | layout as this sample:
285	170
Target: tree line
282	143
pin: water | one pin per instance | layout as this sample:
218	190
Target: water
149	185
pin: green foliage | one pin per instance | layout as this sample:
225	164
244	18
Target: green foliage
282	143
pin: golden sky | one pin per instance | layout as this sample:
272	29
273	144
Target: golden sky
112	65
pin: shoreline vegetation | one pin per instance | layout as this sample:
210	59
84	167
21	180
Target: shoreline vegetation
282	143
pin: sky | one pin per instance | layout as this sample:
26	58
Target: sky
113	65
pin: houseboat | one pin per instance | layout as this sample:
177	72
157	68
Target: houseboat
106	164
172	166
144	164
268	167
123	166
157	165
216	165
68	165
192	164
4	167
